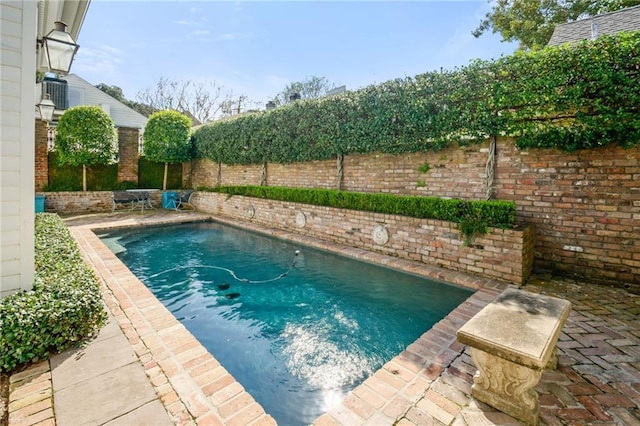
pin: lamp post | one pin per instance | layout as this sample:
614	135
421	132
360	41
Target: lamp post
46	107
59	48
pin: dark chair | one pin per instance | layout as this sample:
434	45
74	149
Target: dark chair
142	199
184	197
122	198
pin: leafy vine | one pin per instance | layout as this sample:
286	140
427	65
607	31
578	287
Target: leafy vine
567	97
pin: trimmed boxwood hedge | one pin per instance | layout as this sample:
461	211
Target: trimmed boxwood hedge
64	307
473	216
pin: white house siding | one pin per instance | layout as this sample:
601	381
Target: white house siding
18	27
81	92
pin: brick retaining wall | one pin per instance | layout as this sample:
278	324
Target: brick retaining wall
455	173
505	255
87	202
585	205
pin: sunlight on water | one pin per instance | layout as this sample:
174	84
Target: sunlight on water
346	322
313	357
298	328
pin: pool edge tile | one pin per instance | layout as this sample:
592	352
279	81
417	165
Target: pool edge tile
145	323
144	317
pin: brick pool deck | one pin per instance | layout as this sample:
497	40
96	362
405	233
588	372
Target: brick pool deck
597	382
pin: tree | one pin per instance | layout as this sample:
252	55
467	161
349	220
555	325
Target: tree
86	136
203	101
113	91
531	22
232	106
310	88
167	139
117	93
141	108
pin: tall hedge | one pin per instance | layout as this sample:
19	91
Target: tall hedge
568	97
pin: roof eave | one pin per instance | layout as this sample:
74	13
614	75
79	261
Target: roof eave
71	12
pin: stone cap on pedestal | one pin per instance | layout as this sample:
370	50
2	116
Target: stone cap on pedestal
518	326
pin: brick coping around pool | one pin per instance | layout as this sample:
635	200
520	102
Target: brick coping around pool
195	389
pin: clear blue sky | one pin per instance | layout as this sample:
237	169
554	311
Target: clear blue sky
257	48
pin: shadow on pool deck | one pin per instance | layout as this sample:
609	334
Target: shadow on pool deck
145	368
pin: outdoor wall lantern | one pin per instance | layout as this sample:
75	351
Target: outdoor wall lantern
59	48
46	107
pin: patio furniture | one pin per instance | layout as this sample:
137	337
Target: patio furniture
122	198
169	200
513	340
184	197
142	198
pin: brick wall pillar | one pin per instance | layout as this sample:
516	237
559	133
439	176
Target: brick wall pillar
41	155
128	153
186	174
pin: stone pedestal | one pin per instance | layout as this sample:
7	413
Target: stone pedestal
506	386
512	341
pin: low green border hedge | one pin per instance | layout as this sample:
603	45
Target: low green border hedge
64	307
473	216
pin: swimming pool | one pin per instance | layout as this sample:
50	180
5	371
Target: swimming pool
297	338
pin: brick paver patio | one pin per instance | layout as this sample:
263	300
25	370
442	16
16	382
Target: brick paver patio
597	382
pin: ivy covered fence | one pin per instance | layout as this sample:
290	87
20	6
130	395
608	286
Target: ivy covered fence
567	97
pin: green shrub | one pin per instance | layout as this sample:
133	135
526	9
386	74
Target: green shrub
126	184
64	307
424	167
151	174
568	97
105	178
67	177
86	136
473	216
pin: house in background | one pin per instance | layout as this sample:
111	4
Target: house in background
23	24
591	28
70	91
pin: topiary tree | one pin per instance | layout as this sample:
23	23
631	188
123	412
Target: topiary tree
167	139
86	136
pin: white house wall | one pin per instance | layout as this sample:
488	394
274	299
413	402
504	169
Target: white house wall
81	92
18	28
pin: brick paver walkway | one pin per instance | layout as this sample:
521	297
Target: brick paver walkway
597	382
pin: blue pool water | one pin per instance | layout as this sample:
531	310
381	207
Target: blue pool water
298	331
